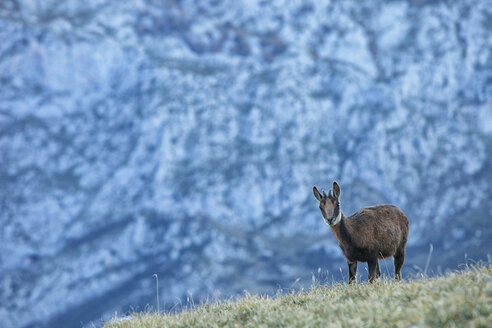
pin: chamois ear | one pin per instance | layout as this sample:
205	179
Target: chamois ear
317	194
336	190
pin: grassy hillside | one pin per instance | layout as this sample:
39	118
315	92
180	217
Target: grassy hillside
461	299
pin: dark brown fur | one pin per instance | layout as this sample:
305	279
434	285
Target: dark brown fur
368	235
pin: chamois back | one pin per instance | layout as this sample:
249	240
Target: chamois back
380	230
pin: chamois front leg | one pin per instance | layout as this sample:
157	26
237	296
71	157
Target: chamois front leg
352	271
373	269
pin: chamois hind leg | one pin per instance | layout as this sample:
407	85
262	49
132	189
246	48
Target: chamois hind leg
352	271
373	269
399	258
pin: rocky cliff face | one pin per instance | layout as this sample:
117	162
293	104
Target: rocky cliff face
183	139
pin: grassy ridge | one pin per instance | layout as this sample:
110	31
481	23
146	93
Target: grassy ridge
461	299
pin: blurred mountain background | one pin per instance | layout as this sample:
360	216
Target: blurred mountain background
183	138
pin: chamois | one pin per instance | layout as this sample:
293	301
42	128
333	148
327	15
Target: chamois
370	234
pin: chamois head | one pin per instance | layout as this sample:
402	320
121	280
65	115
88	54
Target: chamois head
329	204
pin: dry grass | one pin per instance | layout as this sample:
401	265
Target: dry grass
462	299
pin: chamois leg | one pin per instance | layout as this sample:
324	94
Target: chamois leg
373	269
352	271
378	270
399	258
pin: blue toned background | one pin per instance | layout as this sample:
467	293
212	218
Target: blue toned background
183	138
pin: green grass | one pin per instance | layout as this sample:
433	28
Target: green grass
462	299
